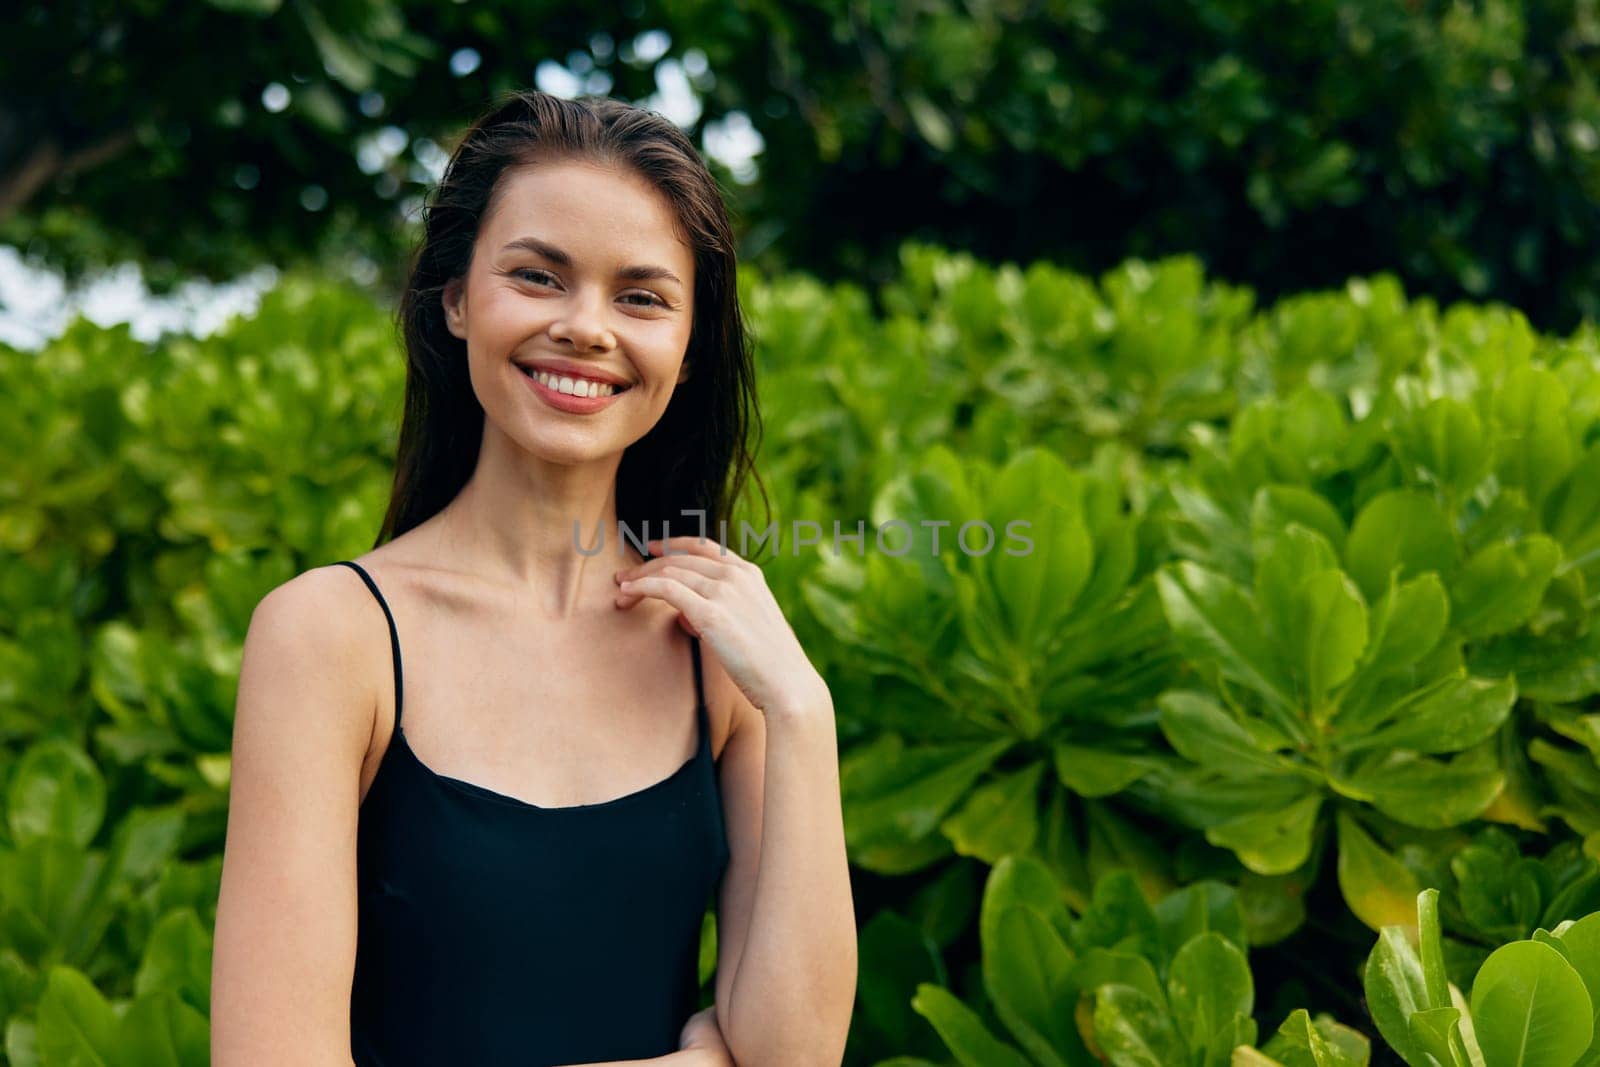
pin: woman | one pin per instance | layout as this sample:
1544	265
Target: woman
595	744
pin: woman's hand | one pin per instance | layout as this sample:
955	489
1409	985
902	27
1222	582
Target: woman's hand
702	1034
723	599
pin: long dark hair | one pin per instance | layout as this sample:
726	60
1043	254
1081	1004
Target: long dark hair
700	452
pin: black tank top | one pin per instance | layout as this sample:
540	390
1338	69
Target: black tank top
495	932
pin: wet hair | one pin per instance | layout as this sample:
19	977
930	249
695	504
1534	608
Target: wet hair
701	451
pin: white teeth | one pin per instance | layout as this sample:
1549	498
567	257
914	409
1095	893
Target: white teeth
574	387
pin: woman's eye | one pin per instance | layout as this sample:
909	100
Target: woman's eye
544	277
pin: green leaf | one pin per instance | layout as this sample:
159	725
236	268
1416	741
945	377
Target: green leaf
161	1030
1209	988
898	795
1202	730
1431	1032
1198	908
1274	507
1501	587
77	1025
1396	990
1530	1008
1424	792
1302	1042
1119	917
1037	591
177	959
1499	892
56	791
1581	940
1272	842
1134	1030
998	818
1529	409
1376	886
1094	772
1445	439
1026	971
1213	620
1407	622
1398	528
959	1026
1022	881
1284	559
1327	632
1100	966
1456	713
1430	948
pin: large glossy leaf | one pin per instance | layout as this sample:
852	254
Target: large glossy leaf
1274	507
1327	632
1529	409
1037	589
1202	730
56	791
77	1025
899	794
1422	791
1581	942
162	1030
1198	908
1530	1008
1092	772
1377	886
1304	1042
1209	989
1271	842
1454	714
1214	620
1447	441
1284	558
1395	991
998	818
1134	1030
1119	917
1500	587
1027	970
1398	528
1406	622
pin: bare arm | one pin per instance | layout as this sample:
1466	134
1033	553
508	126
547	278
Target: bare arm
786	973
285	942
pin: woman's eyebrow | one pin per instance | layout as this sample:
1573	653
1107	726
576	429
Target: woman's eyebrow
640	273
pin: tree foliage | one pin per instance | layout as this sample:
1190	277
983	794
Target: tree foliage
1456	145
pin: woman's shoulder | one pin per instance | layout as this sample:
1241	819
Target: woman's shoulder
726	705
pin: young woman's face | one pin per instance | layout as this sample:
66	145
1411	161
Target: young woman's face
580	273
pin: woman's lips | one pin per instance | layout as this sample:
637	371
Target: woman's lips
577	405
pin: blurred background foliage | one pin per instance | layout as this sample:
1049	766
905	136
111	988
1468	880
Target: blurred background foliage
1455	144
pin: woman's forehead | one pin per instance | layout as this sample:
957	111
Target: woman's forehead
590	211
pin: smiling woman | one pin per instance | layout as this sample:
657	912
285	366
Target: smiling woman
593	749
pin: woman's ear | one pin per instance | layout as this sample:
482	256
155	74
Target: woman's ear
454	300
683	372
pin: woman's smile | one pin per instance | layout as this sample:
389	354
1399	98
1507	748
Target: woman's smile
573	395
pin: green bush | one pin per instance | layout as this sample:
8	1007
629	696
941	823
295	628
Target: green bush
1306	629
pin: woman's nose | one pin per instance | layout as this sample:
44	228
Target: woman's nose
582	321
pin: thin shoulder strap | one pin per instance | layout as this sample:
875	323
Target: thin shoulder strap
701	713
699	692
394	636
